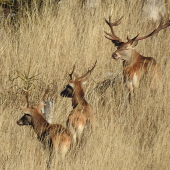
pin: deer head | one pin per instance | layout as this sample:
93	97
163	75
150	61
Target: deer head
25	120
38	107
75	86
125	49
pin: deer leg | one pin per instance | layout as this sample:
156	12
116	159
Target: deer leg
50	158
156	79
80	131
64	147
135	82
93	121
72	130
56	142
131	89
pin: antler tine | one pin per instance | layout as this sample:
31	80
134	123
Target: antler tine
46	92
26	96
116	23
43	97
88	72
112	35
159	28
71	74
55	91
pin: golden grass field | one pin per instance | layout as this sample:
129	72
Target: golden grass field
133	136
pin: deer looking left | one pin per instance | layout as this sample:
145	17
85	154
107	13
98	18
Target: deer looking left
53	136
135	65
82	112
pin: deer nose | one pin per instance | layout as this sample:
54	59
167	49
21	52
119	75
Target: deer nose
114	55
62	93
19	122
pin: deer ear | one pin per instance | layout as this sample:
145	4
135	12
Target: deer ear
71	83
84	80
40	106
26	110
135	43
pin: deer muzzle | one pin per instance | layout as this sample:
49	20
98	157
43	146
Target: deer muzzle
20	122
115	56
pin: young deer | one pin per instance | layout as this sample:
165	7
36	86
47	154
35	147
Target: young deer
82	111
53	136
135	65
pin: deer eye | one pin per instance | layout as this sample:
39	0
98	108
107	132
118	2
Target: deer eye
126	48
69	87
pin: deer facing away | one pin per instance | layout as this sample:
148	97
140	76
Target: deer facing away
82	112
135	65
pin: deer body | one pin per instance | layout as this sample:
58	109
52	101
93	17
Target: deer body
134	72
135	66
53	136
82	112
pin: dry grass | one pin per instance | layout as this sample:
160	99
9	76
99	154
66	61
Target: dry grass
129	136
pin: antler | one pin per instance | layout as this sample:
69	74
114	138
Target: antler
55	91
115	39
46	92
71	74
43	97
26	96
88	72
160	27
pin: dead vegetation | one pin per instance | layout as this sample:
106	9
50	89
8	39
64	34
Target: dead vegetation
128	136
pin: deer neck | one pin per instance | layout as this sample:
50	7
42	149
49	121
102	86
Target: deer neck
135	56
39	123
78	97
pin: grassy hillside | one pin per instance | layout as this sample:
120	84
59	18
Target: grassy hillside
42	50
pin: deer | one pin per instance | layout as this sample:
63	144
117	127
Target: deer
54	137
82	112
135	65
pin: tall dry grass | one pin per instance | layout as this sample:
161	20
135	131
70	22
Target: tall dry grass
129	136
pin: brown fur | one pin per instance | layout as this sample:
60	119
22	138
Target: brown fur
51	135
82	112
135	66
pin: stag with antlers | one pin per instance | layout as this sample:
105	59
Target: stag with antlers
55	137
135	65
82	112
